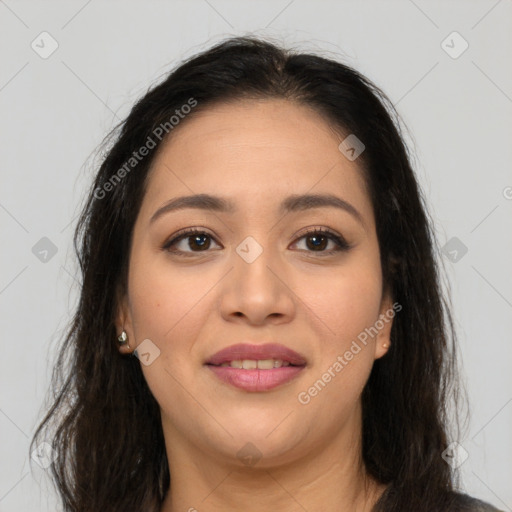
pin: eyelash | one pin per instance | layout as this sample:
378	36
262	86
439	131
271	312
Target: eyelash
342	245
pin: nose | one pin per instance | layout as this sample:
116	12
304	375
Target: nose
258	291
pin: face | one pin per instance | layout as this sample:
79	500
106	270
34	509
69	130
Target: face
257	274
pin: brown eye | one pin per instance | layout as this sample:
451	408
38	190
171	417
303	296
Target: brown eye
189	242
317	240
195	241
201	241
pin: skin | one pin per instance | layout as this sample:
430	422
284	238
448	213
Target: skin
257	152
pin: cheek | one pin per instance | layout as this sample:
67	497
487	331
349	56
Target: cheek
344	301
344	304
167	307
342	307
163	298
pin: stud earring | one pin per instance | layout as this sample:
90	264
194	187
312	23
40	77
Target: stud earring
385	345
123	339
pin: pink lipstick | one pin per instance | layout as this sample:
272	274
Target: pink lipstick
256	367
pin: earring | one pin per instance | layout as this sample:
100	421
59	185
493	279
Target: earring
384	345
123	339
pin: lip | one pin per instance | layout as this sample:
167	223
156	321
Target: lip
256	380
257	352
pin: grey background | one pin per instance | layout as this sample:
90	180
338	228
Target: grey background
56	110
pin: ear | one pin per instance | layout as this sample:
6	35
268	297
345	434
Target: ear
384	323
124	322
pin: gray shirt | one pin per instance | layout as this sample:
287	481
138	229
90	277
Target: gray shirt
470	504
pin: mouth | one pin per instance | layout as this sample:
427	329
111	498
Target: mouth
256	380
253	364
256	367
246	355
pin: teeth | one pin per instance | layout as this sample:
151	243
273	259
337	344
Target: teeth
251	364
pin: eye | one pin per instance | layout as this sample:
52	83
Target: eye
192	239
317	239
196	240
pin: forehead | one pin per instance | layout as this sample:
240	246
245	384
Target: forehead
256	152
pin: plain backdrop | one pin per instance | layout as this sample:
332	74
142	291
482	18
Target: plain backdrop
56	107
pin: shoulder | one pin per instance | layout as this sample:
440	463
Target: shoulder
466	503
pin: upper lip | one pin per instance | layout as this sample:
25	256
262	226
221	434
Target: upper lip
257	352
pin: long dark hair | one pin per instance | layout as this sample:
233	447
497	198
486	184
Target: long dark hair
103	422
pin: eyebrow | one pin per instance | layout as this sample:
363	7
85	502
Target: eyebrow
293	203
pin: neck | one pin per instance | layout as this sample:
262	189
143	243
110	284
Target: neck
329	477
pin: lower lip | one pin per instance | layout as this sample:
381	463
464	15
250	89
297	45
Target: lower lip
256	380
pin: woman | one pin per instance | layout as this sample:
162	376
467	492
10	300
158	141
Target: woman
261	324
